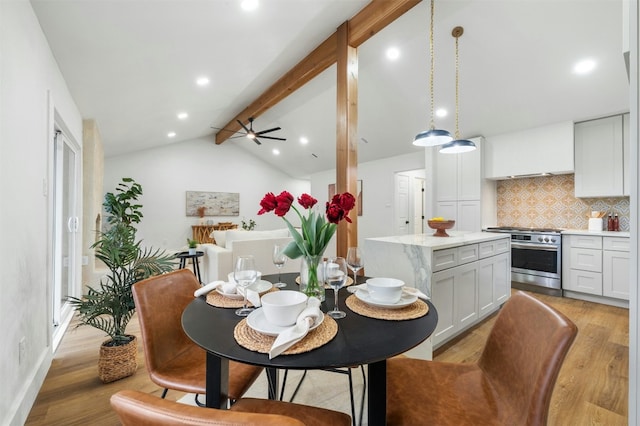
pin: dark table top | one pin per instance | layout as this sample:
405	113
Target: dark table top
360	340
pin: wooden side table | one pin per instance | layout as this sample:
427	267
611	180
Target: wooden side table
202	233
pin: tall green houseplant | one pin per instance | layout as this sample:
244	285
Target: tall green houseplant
109	307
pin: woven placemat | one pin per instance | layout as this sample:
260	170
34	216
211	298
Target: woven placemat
250	339
349	282
219	301
415	310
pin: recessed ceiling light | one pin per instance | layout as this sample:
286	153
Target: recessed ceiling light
275	151
183	115
393	53
249	5
202	81
171	134
441	112
584	67
304	140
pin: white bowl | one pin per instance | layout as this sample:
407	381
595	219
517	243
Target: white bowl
386	290
283	307
232	280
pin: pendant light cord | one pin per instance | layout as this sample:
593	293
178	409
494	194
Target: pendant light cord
431	54
457	32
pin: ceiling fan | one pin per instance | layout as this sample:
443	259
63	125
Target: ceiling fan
256	135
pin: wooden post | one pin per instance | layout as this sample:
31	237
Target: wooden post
347	134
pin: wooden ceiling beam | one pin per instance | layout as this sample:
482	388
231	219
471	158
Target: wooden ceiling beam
368	22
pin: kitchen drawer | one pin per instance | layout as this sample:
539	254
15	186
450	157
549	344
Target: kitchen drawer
492	248
467	254
616	243
583	241
585	259
584	282
444	259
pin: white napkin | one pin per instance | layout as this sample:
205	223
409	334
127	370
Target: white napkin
205	289
252	296
293	335
412	291
229	288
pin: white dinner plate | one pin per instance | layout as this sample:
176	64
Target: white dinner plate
405	300
260	287
257	321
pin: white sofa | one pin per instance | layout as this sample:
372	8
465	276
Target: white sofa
218	258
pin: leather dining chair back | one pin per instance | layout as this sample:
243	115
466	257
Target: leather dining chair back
173	360
511	384
136	408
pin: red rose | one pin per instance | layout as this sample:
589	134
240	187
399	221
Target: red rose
307	201
334	213
347	201
284	201
268	203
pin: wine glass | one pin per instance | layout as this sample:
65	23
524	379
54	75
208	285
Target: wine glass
279	259
355	260
335	275
245	274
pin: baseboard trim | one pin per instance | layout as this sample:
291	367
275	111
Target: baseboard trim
22	404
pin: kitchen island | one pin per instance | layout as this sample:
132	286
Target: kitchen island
467	275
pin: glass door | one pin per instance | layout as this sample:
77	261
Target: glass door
66	225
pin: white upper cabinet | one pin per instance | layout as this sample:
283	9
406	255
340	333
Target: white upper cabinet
547	149
460	187
459	176
599	158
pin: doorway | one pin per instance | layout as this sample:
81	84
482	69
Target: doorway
66	224
409	197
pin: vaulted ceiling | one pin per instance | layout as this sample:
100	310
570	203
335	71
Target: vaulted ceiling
132	66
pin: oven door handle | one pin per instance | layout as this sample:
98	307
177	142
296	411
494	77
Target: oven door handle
534	247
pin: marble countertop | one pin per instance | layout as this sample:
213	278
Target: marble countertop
456	239
598	233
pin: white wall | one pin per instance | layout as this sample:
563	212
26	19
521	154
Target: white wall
27	73
198	165
378	179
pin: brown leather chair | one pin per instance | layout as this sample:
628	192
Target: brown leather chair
140	409
173	360
511	384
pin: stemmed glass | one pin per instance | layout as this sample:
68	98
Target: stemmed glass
245	274
279	259
335	275
355	260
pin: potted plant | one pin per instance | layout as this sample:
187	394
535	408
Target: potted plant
193	244
109	306
248	226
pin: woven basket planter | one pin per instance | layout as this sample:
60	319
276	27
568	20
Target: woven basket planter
118	362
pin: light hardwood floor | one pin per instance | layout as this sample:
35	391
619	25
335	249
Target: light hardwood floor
591	390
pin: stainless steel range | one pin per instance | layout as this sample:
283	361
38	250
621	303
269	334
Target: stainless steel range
536	258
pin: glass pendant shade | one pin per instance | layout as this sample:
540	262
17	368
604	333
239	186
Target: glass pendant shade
458	146
432	137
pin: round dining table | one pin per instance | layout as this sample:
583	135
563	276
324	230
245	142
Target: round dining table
360	340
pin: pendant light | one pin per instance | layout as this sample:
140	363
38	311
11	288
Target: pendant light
433	136
458	145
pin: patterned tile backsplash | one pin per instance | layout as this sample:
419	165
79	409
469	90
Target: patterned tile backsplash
548	202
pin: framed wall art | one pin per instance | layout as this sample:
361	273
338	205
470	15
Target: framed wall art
214	203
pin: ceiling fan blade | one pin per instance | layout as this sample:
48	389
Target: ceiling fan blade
262	132
257	141
243	126
273	138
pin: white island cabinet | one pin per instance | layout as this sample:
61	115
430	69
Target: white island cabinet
467	275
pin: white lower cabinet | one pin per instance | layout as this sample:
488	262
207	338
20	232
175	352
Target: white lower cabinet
596	265
466	293
494	283
615	274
